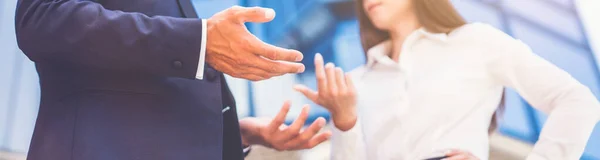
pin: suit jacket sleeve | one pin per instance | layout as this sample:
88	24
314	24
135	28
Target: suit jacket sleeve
84	33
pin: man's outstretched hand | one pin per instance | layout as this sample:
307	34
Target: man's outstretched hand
232	49
274	134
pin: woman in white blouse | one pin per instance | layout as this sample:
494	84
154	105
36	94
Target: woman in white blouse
433	83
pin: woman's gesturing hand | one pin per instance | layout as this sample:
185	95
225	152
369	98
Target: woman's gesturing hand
336	93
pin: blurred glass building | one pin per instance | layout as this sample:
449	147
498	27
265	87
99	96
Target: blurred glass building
553	28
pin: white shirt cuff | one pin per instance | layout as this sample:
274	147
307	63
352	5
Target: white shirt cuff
352	133
245	150
200	71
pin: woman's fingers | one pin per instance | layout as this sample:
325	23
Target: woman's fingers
350	84
331	82
309	93
340	80
320	74
458	157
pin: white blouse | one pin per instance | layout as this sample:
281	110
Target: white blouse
445	88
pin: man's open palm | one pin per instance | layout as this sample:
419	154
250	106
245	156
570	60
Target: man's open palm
233	50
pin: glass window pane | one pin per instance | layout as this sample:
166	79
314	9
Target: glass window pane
314	22
573	59
515	121
269	95
301	3
276	26
564	3
541	119
27	99
239	89
206	9
557	20
347	47
593	146
478	12
7	68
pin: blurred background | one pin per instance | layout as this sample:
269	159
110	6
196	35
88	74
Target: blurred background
565	32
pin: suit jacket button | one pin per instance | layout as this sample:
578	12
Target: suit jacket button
212	75
177	64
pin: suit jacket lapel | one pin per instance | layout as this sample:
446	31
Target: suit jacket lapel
187	8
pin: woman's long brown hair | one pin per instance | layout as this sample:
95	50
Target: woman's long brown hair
436	16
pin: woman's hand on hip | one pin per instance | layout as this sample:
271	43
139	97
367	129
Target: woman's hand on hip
336	93
460	155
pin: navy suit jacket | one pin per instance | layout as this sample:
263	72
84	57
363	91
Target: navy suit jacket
117	82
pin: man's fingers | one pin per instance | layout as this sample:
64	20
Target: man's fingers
307	134
280	118
250	73
320	73
256	74
309	93
299	122
276	53
251	77
331	82
294	129
254	14
277	67
340	80
258	68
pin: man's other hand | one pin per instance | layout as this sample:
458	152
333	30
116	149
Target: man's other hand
274	134
233	50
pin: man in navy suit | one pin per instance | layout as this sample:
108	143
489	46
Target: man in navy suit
143	79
